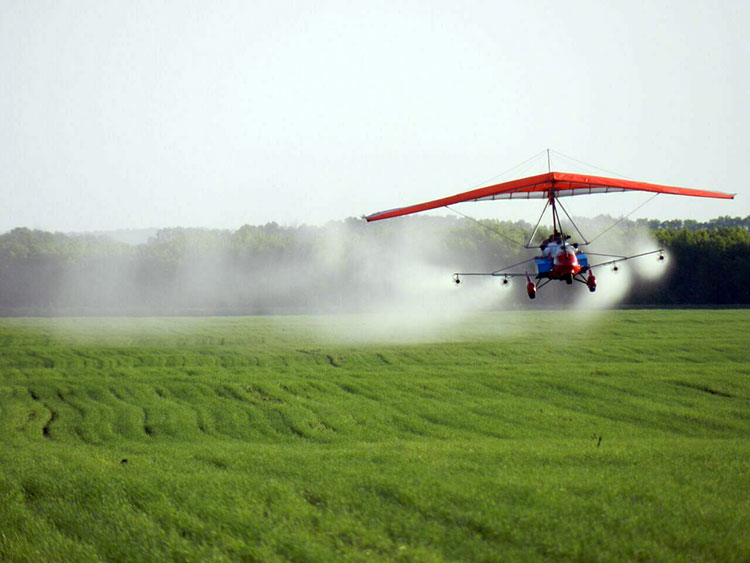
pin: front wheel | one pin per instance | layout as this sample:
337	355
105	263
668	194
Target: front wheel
531	289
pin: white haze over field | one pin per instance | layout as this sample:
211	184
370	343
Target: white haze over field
396	288
420	300
390	282
613	286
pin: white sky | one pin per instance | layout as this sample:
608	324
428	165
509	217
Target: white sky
136	114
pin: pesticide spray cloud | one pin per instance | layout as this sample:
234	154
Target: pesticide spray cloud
618	280
387	281
391	282
403	290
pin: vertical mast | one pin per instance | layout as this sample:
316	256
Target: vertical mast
555	218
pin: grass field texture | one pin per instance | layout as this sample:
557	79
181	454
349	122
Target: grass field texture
514	436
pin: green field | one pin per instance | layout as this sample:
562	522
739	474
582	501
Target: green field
512	436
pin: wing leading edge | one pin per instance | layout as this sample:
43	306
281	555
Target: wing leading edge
543	186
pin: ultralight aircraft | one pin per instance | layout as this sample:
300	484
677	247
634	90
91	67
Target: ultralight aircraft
559	259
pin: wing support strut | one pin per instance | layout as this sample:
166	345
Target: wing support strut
536	227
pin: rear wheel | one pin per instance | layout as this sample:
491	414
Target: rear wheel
591	282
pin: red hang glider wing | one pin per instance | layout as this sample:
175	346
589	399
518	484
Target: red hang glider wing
579	184
544	186
541	184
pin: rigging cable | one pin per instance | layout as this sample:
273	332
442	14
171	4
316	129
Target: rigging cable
623	218
548	151
591	165
616	174
537	155
525	162
486	226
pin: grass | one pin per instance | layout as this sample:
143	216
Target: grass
262	439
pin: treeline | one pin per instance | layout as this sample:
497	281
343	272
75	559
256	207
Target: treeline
711	267
692	225
346	265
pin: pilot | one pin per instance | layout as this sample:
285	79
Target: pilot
549	247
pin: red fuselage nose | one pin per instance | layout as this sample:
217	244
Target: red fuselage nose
566	263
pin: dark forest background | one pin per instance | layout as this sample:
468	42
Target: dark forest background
337	267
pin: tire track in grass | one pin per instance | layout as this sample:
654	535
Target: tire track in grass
703	388
174	394
89	360
74	407
383	359
46	362
200	415
333	361
147	429
244	410
309	406
93	424
126	417
166	414
352	389
298	411
52	416
46	427
182	409
100	413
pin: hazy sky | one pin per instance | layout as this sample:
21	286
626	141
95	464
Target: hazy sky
215	114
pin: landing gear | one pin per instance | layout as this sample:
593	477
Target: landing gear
531	290
530	287
591	282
